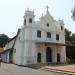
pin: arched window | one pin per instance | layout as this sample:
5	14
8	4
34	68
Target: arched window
61	27
58	57
48	55
25	22
57	36
39	33
48	35
30	20
39	57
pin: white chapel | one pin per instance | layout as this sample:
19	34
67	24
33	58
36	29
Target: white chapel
36	42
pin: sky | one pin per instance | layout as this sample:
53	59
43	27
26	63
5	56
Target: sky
12	12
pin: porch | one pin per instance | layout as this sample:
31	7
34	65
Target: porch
51	53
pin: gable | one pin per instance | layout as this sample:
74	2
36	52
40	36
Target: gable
48	19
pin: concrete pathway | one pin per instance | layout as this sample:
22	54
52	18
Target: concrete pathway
11	69
2	72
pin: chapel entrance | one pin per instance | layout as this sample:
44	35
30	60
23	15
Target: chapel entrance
48	55
58	57
39	57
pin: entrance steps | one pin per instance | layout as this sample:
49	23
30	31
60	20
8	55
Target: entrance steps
48	68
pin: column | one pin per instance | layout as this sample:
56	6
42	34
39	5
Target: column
54	55
63	55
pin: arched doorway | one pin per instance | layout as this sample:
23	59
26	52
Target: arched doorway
58	57
39	57
48	55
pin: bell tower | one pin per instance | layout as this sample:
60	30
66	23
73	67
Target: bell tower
28	17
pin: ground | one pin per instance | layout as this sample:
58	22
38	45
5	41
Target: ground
11	69
68	68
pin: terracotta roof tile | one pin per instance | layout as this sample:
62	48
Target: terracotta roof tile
1	50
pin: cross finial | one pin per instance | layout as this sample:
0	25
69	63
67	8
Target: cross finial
27	9
47	7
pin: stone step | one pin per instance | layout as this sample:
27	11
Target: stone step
58	71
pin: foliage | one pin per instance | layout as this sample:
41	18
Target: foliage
67	35
73	13
73	37
3	40
70	48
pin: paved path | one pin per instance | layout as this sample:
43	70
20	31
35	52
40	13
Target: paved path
2	72
10	69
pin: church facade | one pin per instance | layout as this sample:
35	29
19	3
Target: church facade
36	42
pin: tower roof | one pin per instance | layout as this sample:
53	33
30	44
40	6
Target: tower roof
29	13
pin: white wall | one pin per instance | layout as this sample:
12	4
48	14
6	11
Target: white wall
31	34
17	51
5	57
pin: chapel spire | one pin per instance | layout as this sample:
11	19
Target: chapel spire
28	17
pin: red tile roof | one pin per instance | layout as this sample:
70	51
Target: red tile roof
1	50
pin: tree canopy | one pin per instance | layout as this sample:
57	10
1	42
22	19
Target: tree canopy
67	35
70	48
3	40
73	13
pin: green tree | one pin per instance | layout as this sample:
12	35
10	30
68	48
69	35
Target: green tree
73	37
70	48
67	35
3	40
73	13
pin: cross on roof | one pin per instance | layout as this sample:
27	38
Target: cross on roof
47	7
